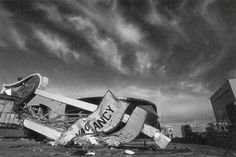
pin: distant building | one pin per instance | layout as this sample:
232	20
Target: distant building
168	131
198	127
223	102
186	130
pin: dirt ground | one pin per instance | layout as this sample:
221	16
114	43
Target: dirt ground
23	147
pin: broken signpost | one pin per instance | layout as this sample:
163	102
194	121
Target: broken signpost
107	123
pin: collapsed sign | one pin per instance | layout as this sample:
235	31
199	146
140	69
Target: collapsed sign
130	131
105	119
103	122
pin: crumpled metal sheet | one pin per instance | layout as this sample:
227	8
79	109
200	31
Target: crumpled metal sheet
99	127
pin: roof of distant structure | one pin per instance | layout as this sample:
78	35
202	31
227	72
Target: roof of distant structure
147	105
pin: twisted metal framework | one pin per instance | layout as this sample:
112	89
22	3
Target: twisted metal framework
44	112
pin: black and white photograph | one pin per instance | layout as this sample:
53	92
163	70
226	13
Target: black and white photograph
118	78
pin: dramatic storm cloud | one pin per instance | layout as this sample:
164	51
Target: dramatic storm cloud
173	53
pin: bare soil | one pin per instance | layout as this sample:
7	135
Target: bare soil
23	147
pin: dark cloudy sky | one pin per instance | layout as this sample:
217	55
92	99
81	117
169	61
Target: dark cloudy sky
175	53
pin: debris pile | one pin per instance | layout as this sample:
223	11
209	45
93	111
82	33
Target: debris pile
85	123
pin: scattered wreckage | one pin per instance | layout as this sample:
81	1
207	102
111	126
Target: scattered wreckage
107	120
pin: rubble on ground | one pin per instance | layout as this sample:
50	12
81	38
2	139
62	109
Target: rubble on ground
27	104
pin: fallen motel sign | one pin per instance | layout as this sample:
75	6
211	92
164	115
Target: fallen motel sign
108	123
